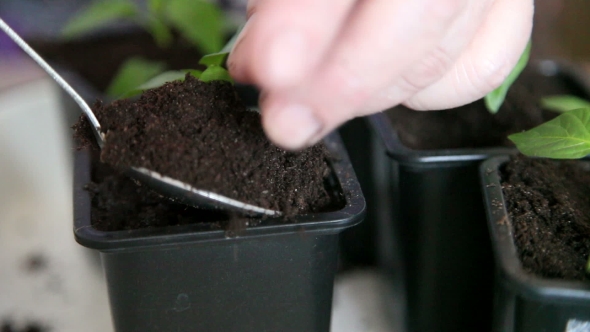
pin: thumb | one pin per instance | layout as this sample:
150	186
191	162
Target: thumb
289	125
486	62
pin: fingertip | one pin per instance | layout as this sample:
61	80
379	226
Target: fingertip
291	126
236	71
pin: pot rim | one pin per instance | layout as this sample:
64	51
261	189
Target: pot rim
317	223
396	150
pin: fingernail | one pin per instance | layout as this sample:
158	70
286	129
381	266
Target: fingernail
243	32
231	60
293	127
287	58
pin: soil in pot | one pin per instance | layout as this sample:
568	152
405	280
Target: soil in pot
119	203
548	203
202	134
472	126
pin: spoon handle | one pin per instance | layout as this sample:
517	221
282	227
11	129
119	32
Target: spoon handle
60	81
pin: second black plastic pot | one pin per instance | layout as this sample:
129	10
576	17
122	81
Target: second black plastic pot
276	276
431	202
524	302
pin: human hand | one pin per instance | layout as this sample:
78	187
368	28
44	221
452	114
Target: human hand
320	63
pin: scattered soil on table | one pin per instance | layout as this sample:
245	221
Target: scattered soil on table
118	203
35	263
549	206
472	126
8	326
202	134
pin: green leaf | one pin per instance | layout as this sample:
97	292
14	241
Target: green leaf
214	59
155	6
216	73
161	79
565	137
97	15
563	103
199	21
494	99
160	32
131	74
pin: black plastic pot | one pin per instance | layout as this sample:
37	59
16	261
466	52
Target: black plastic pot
440	252
524	302
359	245
277	276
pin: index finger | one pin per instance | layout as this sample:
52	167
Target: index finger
284	40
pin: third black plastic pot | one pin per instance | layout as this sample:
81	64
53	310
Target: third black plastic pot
431	202
275	276
524	302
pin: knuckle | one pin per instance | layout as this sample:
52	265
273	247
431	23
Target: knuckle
427	71
350	83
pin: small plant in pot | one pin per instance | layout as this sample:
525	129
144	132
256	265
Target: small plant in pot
430	161
115	45
178	268
538	212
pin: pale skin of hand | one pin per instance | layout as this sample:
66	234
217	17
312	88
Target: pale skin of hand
320	63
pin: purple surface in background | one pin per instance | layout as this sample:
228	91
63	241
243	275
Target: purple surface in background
35	19
45	18
7	47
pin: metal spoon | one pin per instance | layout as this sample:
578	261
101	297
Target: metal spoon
169	187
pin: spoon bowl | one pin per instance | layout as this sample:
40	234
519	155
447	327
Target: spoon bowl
162	184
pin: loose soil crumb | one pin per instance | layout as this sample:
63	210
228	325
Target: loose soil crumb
35	263
472	126
549	207
202	134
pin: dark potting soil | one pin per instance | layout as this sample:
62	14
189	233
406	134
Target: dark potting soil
549	207
472	126
118	203
202	134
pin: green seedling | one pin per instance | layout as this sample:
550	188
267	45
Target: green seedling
215	71
159	80
200	22
133	72
563	103
565	137
215	67
495	99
